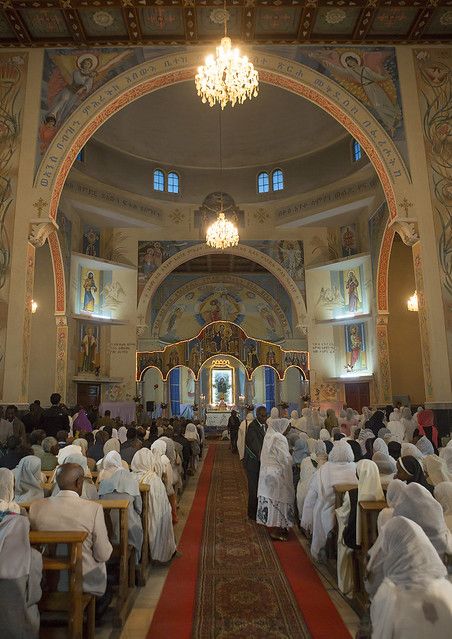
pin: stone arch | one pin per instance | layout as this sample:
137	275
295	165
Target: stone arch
160	72
241	250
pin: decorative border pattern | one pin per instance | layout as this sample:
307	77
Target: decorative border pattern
26	339
383	269
384	386
423	320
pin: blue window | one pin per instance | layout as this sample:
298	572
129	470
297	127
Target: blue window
357	151
159	180
263	183
81	155
277	180
173	182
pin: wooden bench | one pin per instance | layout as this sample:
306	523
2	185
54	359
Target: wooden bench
144	561
340	490
124	553
75	601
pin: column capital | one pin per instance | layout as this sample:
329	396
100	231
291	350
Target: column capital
40	229
407	228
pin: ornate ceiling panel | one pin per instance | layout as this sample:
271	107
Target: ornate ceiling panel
63	23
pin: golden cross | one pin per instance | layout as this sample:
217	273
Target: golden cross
405	205
40	205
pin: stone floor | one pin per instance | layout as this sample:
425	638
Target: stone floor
146	598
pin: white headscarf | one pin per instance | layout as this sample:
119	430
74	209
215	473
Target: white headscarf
15	548
110	464
411	450
324	435
436	469
122	434
380	446
386	464
28	479
65	452
142	465
7	503
112	445
369	489
411	571
393	493
420	506
81	443
274	414
425	446
162	464
443	494
191	433
446	454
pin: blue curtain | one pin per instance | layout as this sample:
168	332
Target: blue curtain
269	388
175	391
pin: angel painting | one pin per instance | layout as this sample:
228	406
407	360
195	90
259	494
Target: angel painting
73	78
366	76
113	295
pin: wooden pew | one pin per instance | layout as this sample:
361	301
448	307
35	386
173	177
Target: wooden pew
369	515
144	562
75	601
340	490
124	553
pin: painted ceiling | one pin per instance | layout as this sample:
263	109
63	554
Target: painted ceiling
162	22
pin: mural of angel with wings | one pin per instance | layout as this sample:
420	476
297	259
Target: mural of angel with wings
367	76
70	79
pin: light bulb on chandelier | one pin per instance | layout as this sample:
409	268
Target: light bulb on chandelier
222	233
228	77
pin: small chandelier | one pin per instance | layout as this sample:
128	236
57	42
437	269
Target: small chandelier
229	77
222	234
412	303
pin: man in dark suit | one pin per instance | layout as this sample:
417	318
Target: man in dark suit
252	461
54	418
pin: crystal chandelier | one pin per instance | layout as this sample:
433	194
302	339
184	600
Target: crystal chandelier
222	233
413	303
229	77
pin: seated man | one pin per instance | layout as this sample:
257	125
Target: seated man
67	511
130	446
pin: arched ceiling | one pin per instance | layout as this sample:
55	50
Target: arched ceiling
172	126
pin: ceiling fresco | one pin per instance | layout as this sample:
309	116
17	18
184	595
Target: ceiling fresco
137	22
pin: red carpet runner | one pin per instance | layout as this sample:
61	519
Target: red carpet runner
232	581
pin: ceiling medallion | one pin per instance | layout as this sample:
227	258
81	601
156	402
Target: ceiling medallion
222	234
227	78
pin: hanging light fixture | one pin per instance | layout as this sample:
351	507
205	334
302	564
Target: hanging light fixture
229	77
413	303
223	233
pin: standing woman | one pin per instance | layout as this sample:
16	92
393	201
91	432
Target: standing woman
275	491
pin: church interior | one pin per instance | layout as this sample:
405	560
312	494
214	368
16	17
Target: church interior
225	274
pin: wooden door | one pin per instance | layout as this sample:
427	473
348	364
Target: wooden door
357	395
88	394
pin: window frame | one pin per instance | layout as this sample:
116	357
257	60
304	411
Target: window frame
163	174
168	177
273	180
357	149
266	174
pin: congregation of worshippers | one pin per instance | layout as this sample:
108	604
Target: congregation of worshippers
71	482
372	495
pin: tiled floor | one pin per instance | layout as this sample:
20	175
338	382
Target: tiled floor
146	598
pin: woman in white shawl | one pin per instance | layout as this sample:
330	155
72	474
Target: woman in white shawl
443	495
396	427
274	414
446	454
387	467
118	483
242	434
28	479
162	467
393	493
295	420
308	468
410	450
7	503
436	470
20	578
408	424
111	445
414	599
122	434
176	465
162	544
191	434
318	510
420	506
425	446
275	491
369	489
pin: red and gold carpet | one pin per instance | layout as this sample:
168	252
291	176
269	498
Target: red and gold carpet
246	585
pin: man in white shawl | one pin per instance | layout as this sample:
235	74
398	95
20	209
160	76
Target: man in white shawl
242	434
318	510
162	544
275	491
414	598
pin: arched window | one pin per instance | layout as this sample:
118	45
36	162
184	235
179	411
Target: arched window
159	180
263	183
277	180
173	182
357	151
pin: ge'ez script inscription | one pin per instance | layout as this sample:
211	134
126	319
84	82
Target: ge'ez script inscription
121	348
323	347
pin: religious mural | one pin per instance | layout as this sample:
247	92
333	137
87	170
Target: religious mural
355	347
65	237
223	338
349	240
341	293
89	290
13	73
434	76
288	253
89	349
91	241
213	298
370	74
